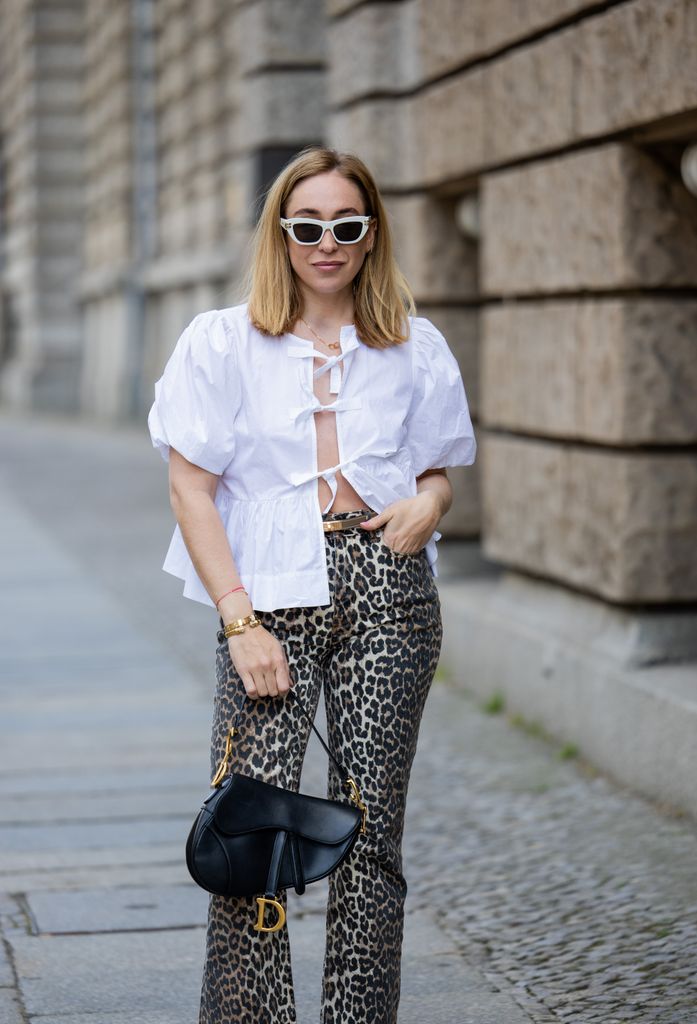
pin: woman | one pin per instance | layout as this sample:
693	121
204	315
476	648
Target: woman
307	432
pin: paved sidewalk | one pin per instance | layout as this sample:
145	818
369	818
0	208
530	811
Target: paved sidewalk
539	890
106	716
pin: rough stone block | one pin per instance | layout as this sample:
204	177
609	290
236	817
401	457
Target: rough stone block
635	63
530	100
58	93
207	105
367	52
208	148
381	132
399	46
447	33
170	81
282	107
204	56
439	263
450	129
238	189
205	210
65	21
272	37
416	141
335	8
610	217
174	36
610	71
57	57
205	14
614	371
505	21
618	525
176	226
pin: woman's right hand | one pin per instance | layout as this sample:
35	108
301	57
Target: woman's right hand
261	663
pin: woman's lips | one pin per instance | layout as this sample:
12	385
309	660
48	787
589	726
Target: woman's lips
327	266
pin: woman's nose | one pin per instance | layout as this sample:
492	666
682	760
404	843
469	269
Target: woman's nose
327	242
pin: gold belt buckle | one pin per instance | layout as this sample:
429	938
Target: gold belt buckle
340	524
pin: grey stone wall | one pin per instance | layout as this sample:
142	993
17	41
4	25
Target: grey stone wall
41	132
571	304
238	89
528	154
191	110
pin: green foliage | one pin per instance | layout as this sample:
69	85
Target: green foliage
528	726
495	704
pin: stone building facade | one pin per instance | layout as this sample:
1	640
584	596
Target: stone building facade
530	155
41	194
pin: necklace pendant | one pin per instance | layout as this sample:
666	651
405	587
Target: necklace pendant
335	346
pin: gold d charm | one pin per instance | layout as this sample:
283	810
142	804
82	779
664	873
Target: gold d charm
259	926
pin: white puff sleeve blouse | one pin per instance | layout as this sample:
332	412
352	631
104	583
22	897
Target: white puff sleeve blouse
241	405
198	396
439	430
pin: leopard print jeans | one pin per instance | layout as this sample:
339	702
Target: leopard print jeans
373	650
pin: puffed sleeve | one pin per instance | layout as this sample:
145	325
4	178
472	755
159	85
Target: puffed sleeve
438	424
198	395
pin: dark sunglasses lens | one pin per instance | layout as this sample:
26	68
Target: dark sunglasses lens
350	231
307	232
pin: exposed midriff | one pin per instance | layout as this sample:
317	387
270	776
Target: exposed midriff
347	499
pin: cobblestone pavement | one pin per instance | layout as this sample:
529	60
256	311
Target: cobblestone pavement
575	895
579	893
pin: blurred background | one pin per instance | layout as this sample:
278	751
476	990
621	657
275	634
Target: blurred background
539	164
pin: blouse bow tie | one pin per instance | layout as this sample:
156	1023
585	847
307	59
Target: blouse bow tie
300	412
331	363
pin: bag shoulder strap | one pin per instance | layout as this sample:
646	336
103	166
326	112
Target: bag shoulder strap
348	782
342	771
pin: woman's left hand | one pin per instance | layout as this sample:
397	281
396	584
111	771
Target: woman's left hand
408	522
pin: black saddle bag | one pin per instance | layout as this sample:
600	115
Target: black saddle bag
252	838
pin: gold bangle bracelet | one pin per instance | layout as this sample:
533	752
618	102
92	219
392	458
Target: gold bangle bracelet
239	625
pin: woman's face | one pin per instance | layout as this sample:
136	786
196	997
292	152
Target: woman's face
327	267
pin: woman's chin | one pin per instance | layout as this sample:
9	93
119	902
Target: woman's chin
325	286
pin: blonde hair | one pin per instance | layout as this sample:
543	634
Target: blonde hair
382	297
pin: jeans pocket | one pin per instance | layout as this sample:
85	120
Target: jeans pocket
398	554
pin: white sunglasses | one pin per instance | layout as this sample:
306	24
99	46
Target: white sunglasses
346	230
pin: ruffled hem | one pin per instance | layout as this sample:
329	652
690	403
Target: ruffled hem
265	538
302	589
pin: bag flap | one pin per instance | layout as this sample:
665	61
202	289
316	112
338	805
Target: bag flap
246	804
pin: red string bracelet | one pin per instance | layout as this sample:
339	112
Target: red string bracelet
226	594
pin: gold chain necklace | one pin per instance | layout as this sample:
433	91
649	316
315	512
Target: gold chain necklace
330	344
